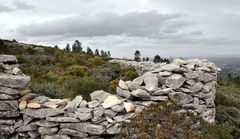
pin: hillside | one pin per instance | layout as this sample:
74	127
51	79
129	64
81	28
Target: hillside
63	73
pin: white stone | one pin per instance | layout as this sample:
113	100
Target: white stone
129	106
111	101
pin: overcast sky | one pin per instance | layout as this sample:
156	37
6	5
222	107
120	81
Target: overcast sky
166	27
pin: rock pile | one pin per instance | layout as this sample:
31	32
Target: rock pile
190	83
11	83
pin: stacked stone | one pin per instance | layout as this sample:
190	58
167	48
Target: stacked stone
190	83
11	83
55	118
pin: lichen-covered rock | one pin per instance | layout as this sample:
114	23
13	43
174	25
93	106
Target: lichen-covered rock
123	93
175	81
41	113
14	81
62	119
84	127
71	132
47	131
140	93
100	95
8	105
151	82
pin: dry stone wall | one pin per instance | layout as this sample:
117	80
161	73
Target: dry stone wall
191	83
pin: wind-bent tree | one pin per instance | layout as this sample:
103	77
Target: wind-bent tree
137	56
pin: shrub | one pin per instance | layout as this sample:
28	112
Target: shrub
161	121
46	89
83	86
75	70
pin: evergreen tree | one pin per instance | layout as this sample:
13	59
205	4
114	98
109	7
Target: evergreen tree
97	52
105	54
137	55
108	54
56	47
89	51
77	46
147	58
102	53
157	59
67	48
143	59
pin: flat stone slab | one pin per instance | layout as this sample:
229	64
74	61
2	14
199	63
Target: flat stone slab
8	58
8	105
42	113
9	114
62	119
84	127
8	91
14	81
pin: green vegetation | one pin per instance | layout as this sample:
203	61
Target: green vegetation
69	72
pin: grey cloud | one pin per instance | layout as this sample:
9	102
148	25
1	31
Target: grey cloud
22	5
4	8
15	6
145	24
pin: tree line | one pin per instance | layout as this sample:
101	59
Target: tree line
156	59
78	48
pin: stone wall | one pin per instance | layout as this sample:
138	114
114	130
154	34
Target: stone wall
191	83
12	81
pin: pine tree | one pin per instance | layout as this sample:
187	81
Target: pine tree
77	46
143	59
137	55
108	54
157	59
97	52
147	58
102	53
89	51
67	48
